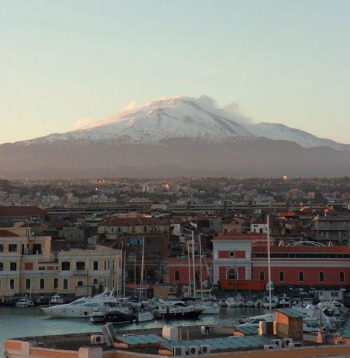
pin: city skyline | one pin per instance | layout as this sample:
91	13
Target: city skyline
66	64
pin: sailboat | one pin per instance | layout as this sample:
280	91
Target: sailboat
142	314
204	299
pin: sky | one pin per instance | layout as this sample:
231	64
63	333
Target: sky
67	63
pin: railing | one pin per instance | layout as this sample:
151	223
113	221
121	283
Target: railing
80	272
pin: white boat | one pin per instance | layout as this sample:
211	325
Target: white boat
254	320
144	316
284	301
24	303
270	303
56	299
80	307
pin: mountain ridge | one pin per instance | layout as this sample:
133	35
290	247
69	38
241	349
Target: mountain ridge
177	136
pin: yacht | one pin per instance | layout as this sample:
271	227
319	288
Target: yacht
177	309
56	299
254	320
24	303
80	307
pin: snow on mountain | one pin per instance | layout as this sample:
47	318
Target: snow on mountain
162	119
281	132
197	118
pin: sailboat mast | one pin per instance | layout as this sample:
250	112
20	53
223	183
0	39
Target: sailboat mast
189	269
194	270
142	263
268	261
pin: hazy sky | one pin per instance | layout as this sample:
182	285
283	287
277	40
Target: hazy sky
67	61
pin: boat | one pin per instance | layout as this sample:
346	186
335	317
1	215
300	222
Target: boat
80	307
241	285
177	309
284	301
56	299
253	321
119	317
24	303
144	316
270	301
98	315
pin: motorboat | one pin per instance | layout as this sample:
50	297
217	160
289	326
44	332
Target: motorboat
98	315
284	301
56	299
118	317
270	301
24	303
80	307
254	320
144	316
177	309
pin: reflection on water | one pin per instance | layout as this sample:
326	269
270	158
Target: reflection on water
25	322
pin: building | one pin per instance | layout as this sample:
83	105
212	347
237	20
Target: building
29	265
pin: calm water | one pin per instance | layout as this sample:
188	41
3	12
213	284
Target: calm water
24	322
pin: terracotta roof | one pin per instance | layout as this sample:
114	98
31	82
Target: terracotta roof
7	233
13	211
132	221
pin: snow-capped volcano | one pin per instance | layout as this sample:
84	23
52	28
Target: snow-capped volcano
162	119
173	137
184	117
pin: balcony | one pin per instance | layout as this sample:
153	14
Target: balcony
80	272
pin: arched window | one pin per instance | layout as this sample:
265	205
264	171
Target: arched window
282	276
177	275
232	254
232	274
301	276
261	275
321	276
341	276
80	283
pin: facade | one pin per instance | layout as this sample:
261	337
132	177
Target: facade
334	228
301	264
29	266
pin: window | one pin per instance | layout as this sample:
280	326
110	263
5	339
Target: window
28	284
12	248
301	276
65	284
232	254
1	266
321	276
281	276
80	265
12	284
95	265
13	266
55	283
37	249
42	283
1	248
232	274
80	283
177	275
341	277
65	266
261	275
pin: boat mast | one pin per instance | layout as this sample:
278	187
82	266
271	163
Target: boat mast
194	270
268	261
142	266
189	270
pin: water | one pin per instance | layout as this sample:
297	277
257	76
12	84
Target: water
24	322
